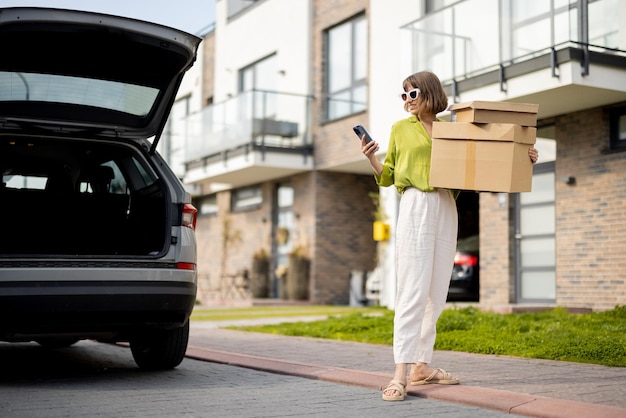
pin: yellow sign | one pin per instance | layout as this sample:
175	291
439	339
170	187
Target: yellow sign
381	231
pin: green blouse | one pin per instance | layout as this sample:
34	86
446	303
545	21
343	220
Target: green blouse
407	163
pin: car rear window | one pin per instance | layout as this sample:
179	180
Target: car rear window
19	181
122	97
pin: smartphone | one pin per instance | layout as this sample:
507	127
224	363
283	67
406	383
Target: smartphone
359	130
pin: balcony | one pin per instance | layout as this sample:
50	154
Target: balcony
255	137
565	55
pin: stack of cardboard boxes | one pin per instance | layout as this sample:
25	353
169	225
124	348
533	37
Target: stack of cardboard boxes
485	147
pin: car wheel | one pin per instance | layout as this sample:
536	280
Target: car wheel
57	342
160	349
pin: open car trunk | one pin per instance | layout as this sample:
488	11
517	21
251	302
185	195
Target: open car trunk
79	198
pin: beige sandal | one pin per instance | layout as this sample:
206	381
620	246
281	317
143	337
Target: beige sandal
447	379
395	385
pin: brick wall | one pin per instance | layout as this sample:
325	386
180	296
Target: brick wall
343	223
249	231
344	216
590	215
590	221
334	142
496	276
333	223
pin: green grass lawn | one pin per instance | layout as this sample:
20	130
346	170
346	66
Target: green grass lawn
598	337
230	314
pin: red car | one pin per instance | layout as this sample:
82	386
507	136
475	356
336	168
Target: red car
465	281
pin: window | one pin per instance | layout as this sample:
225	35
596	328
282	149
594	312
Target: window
112	95
19	181
537	24
346	55
618	129
262	77
246	198
207	205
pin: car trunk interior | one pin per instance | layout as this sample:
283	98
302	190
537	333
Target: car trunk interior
78	198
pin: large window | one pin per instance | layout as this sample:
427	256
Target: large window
449	42
346	73
262	76
538	24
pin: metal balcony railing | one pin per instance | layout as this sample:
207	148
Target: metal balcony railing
253	120
472	36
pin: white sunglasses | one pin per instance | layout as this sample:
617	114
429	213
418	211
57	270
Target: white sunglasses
410	94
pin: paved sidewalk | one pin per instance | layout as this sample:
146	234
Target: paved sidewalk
528	387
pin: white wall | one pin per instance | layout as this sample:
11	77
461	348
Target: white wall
191	86
279	26
192	83
389	66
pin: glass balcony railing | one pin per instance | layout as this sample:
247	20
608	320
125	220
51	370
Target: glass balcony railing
254	119
471	36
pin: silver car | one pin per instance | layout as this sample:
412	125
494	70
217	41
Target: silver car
97	235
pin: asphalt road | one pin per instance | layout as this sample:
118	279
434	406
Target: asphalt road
102	380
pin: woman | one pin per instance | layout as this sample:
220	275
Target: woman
426	234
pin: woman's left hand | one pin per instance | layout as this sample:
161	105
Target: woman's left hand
533	153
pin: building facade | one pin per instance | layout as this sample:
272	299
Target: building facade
262	136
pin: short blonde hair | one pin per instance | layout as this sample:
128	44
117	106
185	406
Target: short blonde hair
432	97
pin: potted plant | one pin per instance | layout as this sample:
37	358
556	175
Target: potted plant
260	274
298	274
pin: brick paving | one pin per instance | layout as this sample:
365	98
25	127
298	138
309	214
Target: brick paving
101	380
528	387
243	374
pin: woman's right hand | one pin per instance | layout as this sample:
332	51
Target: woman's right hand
370	149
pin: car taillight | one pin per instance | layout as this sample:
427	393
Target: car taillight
465	259
186	266
189	216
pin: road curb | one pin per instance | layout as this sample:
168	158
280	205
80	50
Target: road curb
498	400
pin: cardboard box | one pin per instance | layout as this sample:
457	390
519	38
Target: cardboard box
482	157
524	114
485	132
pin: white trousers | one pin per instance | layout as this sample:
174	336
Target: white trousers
426	235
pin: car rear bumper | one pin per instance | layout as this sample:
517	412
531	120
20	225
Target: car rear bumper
95	307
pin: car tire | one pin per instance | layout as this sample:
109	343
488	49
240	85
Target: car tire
160	349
